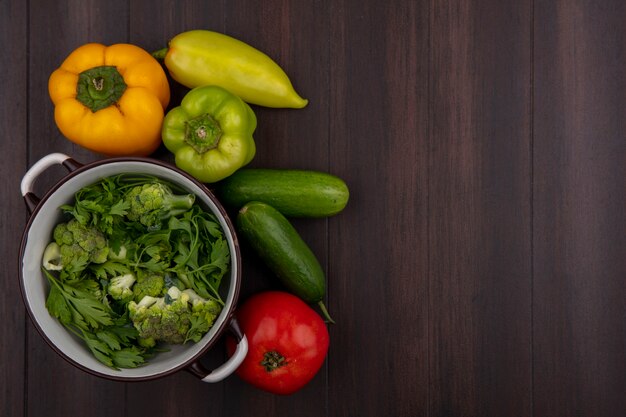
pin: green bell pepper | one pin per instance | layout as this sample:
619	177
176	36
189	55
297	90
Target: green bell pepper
210	133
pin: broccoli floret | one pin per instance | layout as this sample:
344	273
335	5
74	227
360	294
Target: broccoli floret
150	284
147	342
120	287
62	236
176	318
165	319
200	304
203	314
150	204
76	245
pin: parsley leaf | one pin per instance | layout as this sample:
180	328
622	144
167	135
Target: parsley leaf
130	357
86	310
57	306
111	339
110	269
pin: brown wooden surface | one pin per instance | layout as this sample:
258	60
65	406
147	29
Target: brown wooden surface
480	266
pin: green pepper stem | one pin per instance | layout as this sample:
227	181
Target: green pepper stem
160	54
325	313
203	133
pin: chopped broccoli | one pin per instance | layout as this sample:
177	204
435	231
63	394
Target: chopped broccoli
150	204
120	287
148	284
74	246
203	314
165	319
147	342
177	317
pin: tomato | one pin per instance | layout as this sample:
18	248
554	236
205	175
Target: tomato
288	342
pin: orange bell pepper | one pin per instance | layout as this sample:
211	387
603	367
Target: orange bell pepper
110	100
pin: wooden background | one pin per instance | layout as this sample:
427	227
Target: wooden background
479	269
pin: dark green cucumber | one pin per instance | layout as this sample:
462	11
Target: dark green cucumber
280	246
294	193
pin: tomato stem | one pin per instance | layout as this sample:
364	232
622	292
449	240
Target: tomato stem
273	360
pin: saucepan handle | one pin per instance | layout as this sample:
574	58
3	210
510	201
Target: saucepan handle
230	365
37	169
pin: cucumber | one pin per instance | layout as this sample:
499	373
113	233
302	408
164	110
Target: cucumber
282	249
294	193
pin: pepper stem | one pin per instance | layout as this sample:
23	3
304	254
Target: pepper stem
100	87
203	133
325	313
160	54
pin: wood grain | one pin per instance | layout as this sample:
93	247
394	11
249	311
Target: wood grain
13	144
580	205
479	209
378	246
479	267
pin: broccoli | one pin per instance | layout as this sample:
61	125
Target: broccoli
150	284
177	317
152	203
203	314
165	319
146	342
120	287
74	246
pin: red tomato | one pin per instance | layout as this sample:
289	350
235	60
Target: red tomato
288	342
